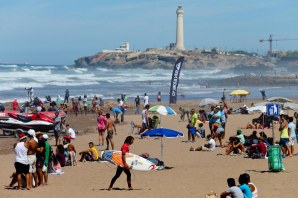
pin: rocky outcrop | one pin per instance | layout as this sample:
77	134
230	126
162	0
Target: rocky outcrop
166	59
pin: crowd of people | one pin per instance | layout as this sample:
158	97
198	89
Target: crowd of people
35	158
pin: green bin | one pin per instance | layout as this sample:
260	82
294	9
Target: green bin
274	158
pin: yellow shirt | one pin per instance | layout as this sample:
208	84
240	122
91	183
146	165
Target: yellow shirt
95	152
194	119
284	133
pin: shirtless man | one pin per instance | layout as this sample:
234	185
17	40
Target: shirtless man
110	129
33	144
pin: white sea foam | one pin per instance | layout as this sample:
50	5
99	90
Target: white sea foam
9	66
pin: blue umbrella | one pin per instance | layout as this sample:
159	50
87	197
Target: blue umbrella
162	132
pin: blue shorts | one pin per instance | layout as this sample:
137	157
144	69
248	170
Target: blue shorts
283	141
192	130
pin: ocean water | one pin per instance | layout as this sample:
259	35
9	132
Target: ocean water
111	83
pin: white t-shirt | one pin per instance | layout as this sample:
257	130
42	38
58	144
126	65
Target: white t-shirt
211	142
146	100
72	133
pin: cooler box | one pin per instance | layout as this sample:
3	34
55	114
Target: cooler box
274	158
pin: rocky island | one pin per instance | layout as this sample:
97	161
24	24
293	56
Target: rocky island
157	58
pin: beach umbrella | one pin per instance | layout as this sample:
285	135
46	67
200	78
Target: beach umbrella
290	105
257	108
279	99
265	103
208	102
239	92
162	110
162	133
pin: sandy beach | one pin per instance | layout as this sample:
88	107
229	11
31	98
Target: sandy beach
193	174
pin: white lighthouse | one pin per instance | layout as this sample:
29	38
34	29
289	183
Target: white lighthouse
179	30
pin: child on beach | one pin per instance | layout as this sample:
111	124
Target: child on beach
191	131
201	131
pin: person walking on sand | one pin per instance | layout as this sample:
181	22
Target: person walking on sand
66	96
146	99
124	149
137	102
110	130
101	127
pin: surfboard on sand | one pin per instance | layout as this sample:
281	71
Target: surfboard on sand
134	161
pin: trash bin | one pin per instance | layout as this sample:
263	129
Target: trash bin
274	158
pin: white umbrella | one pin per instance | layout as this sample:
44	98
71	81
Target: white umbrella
290	105
257	108
208	102
279	99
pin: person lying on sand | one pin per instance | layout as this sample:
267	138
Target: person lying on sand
210	146
255	125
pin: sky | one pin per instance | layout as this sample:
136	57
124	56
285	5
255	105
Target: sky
60	31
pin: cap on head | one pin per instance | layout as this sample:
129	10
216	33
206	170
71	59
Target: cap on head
239	132
22	136
31	132
45	136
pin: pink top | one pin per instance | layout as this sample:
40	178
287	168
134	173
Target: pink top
101	122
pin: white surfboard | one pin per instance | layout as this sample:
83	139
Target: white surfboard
134	161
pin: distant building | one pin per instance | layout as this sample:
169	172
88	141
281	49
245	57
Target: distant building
123	48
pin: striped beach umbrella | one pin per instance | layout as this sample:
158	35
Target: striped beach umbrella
162	110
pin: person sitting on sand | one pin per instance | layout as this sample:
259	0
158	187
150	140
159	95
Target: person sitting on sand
90	154
251	139
201	131
251	185
235	146
71	150
258	151
255	125
233	191
210	146
243	181
240	136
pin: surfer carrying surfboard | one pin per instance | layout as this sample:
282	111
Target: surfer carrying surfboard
124	149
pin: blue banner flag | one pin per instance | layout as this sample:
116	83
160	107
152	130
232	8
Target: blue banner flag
175	80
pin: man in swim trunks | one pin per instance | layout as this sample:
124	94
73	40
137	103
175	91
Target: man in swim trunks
33	144
90	154
110	130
